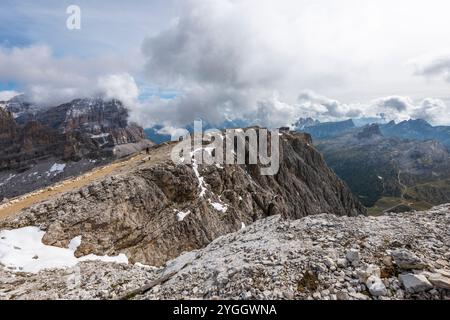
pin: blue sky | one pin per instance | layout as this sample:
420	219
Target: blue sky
172	60
108	27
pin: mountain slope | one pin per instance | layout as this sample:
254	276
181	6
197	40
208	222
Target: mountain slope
154	211
417	130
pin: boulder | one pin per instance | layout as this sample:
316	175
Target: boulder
353	256
376	286
407	260
415	283
439	281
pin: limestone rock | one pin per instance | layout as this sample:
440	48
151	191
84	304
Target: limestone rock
136	212
415	283
407	260
353	256
439	281
376	286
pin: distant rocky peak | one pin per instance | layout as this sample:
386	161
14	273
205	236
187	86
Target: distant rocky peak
370	131
414	123
21	105
303	123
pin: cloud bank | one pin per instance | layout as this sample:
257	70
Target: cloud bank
248	59
251	59
50	80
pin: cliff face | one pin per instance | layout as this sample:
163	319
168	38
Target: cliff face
156	210
104	121
81	128
21	145
79	135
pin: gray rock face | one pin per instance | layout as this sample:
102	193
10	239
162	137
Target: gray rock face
136	212
407	260
440	281
85	129
415	283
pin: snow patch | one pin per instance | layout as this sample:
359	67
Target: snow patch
219	206
181	215
56	167
98	136
22	250
201	180
75	243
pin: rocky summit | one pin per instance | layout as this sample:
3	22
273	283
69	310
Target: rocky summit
321	257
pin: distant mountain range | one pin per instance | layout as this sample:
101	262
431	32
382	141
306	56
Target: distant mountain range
412	129
392	166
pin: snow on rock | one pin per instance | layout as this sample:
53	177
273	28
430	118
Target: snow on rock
22	250
57	168
201	180
98	136
219	206
75	243
181	215
121	258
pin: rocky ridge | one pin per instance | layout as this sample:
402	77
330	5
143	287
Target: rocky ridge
157	210
394	256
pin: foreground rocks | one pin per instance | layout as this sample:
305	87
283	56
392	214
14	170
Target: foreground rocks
318	257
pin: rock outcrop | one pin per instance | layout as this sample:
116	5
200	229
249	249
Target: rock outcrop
84	129
157	210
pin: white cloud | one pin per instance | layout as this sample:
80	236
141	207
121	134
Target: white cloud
397	108
247	58
119	86
434	111
229	57
8	94
51	80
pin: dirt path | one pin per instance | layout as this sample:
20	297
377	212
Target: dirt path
405	188
15	205
157	155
